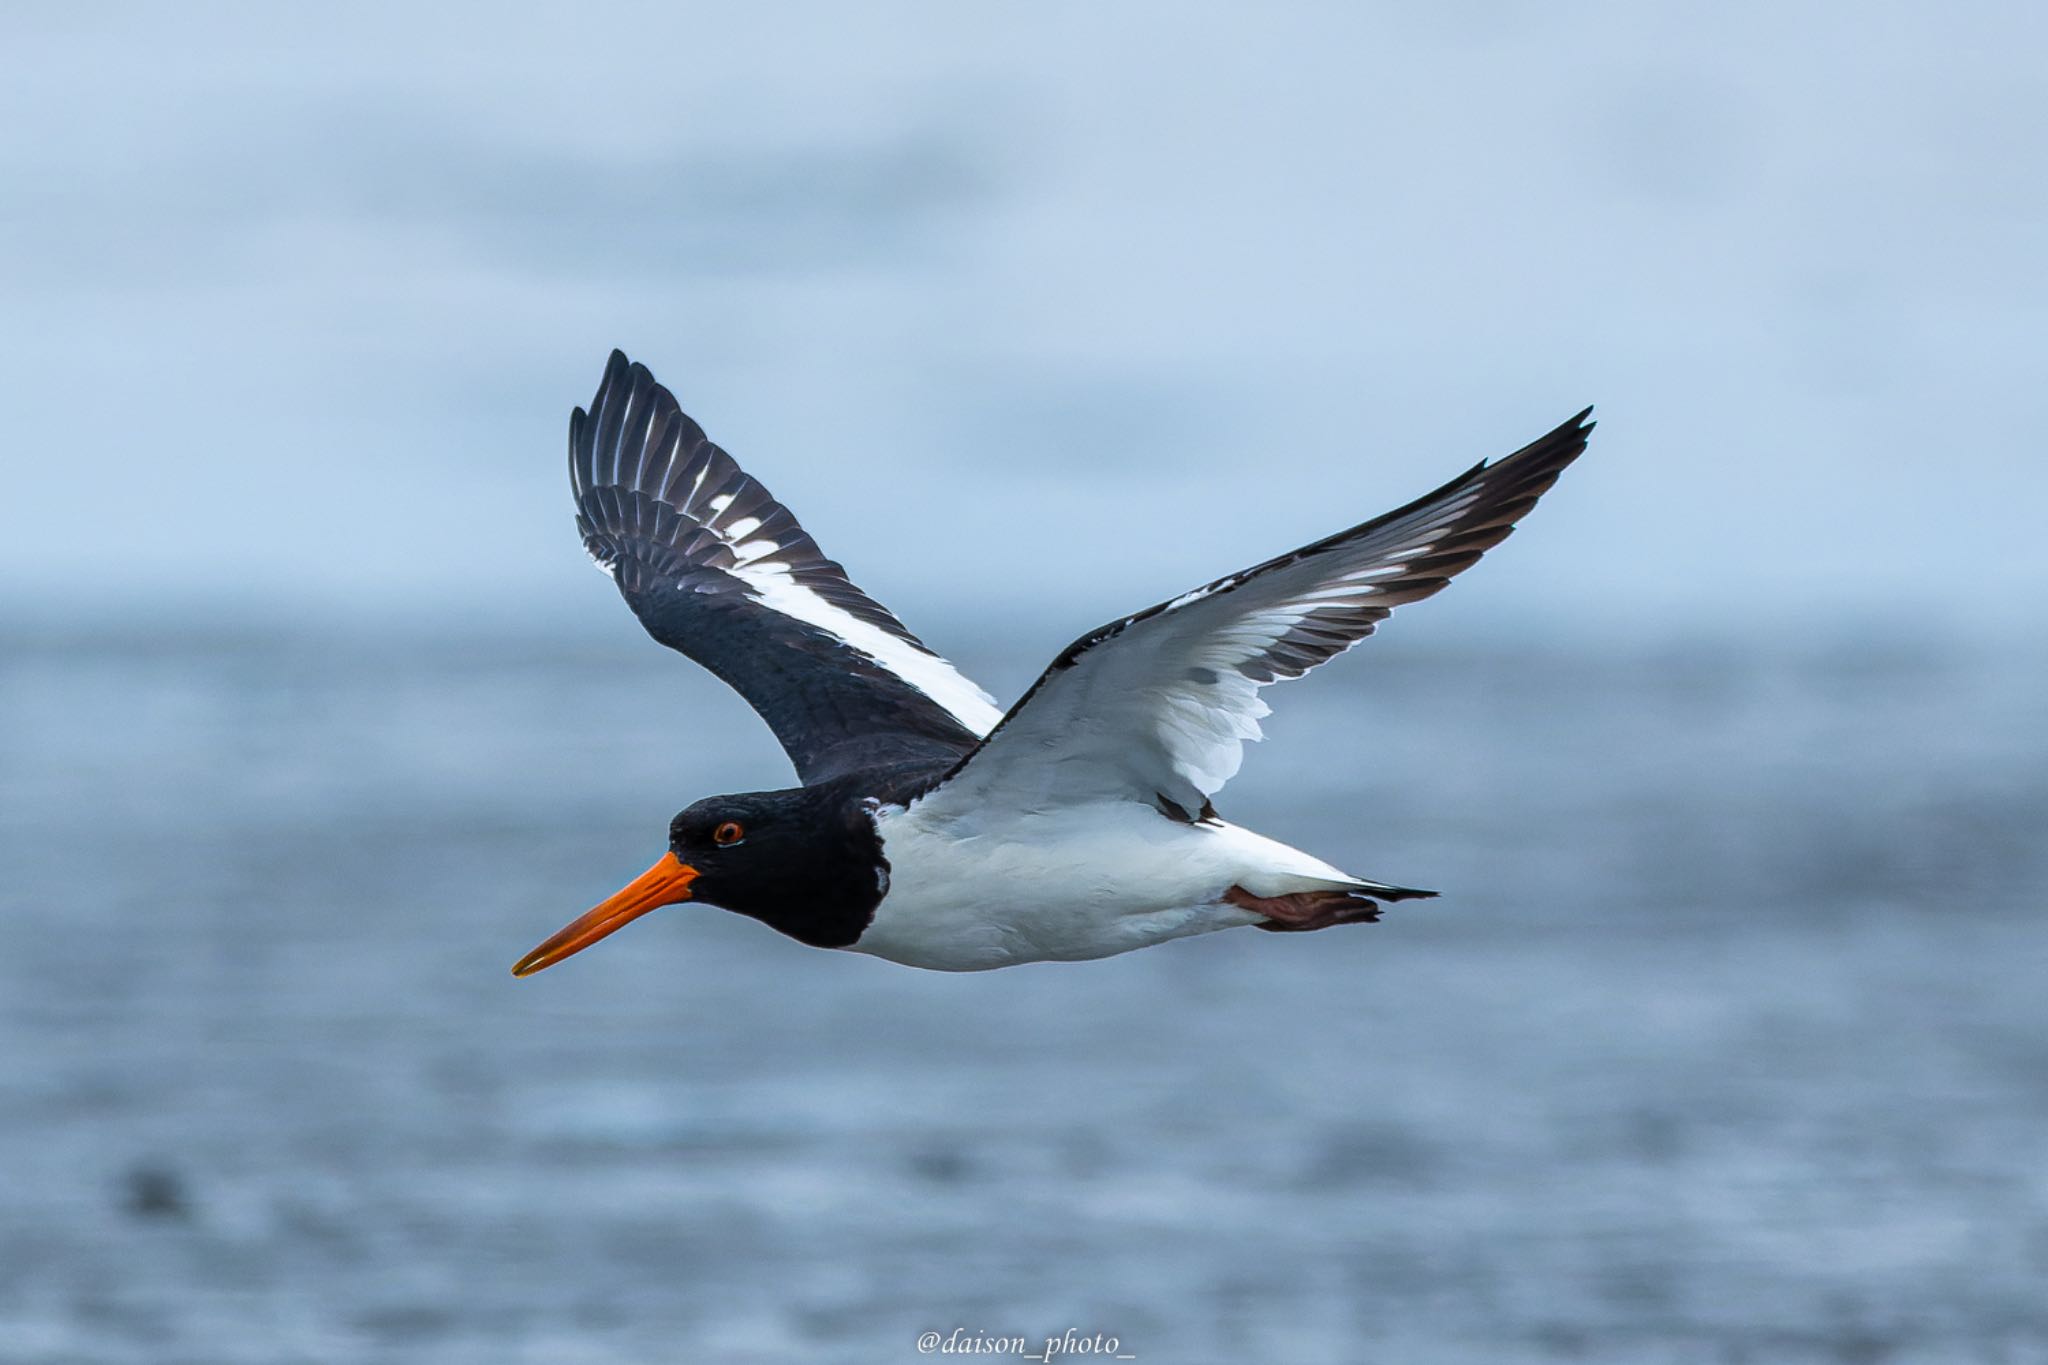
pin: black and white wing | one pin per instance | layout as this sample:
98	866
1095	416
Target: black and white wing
1157	707
716	568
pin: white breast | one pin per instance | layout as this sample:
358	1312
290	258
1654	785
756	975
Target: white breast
972	891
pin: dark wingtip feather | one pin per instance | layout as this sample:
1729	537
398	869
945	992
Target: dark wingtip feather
1563	443
579	464
636	452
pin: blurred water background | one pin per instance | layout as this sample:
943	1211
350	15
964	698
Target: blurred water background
1727	1042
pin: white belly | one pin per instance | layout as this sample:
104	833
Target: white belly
969	894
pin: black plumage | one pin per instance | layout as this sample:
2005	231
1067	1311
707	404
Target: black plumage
656	502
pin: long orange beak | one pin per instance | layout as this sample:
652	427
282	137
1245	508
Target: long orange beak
667	882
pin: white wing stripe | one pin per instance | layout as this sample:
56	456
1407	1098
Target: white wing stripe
776	589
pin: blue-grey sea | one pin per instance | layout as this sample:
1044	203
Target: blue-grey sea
1727	1042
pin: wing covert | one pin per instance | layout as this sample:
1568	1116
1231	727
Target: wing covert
1157	707
717	569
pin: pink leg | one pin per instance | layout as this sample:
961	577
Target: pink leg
1303	911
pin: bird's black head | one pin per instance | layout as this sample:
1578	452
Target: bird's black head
767	853
805	861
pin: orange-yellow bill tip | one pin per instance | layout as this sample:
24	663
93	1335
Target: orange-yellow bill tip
667	882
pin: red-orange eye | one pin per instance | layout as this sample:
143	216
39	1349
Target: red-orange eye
728	833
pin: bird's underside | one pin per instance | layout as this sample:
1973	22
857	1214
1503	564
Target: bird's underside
1089	880
1077	823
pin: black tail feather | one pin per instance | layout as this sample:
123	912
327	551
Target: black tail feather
1395	893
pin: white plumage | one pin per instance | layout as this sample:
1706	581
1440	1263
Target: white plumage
972	888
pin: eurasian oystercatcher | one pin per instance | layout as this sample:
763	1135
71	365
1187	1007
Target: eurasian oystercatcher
932	828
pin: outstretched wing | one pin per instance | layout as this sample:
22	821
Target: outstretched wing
1157	707
716	568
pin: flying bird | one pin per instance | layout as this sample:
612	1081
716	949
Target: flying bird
933	828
